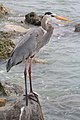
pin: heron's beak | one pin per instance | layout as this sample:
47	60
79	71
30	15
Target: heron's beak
61	18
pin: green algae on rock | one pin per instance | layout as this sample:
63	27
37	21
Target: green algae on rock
6	45
3	11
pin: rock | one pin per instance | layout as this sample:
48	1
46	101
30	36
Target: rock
3	11
12	90
41	61
5	34
2	102
77	28
14	108
16	28
2	90
33	18
9	91
19	111
6	44
8	39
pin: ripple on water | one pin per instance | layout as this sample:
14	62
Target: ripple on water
63	108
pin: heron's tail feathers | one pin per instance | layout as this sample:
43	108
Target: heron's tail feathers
9	65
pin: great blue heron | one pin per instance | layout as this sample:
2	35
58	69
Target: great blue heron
30	44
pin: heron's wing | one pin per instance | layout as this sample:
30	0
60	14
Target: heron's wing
28	45
34	34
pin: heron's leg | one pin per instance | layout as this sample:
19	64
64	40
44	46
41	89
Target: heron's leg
30	78
25	77
31	94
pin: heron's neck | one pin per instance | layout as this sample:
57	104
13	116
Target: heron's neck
47	28
44	22
43	25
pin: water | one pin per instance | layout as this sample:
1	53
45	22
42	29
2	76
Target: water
58	82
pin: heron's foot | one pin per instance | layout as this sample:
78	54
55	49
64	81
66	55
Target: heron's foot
33	96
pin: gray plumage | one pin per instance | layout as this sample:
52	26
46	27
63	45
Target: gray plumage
31	43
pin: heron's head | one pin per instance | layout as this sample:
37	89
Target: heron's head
56	16
47	19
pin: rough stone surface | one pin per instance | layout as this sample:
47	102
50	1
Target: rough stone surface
5	48
2	102
8	39
14	107
2	90
33	18
11	89
77	28
6	44
3	11
16	28
13	111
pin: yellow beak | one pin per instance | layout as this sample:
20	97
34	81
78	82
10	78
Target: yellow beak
61	18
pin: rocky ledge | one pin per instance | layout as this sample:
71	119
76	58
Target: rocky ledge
13	105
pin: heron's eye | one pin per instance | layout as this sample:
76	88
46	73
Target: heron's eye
52	16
